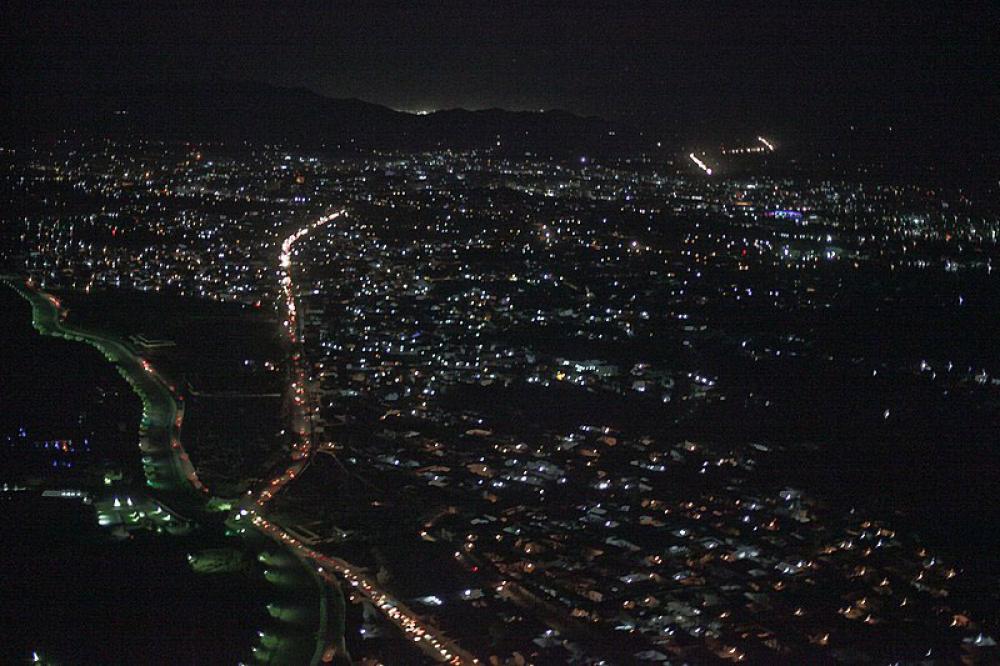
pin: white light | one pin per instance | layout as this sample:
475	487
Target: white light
701	165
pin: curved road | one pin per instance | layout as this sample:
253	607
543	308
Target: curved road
169	471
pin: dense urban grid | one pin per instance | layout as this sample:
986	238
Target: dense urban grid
524	410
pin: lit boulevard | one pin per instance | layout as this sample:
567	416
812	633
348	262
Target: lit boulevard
427	638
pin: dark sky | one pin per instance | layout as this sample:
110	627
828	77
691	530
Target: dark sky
651	63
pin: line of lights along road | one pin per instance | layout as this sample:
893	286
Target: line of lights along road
428	638
766	147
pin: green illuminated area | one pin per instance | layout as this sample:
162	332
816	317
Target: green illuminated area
126	513
174	502
217	560
296	632
159	428
225	360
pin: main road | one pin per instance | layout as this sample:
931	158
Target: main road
430	640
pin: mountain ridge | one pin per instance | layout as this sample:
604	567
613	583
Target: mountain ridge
235	111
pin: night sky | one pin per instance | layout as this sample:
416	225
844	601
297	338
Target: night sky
654	64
